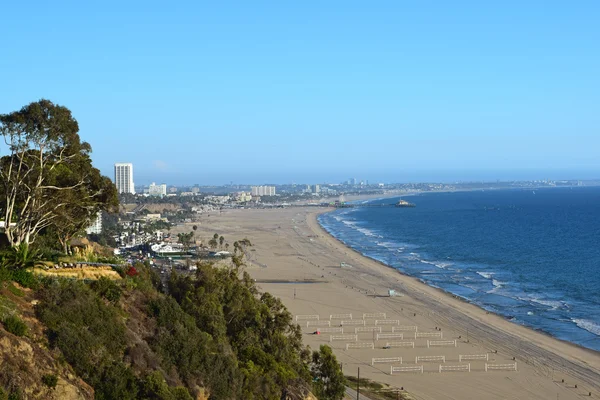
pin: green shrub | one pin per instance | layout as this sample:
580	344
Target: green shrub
25	278
153	386
181	393
5	276
50	380
117	381
107	288
90	334
16	291
192	352
15	325
47	254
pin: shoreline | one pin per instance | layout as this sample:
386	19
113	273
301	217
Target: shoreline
447	293
291	248
561	348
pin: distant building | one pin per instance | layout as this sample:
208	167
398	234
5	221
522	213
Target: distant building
263	190
124	178
157	190
317	189
243	197
96	226
152	217
195	190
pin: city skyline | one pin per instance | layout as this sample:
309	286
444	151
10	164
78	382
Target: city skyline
279	92
431	177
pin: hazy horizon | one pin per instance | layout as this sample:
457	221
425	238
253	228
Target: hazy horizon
422	177
312	92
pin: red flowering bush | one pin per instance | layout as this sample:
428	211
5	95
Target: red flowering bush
132	271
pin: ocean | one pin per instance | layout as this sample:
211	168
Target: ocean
532	256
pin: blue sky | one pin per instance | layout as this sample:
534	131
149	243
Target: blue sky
308	91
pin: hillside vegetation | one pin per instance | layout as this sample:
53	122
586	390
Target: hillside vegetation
213	336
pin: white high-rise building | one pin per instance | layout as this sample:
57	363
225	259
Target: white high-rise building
124	178
96	226
263	190
157	190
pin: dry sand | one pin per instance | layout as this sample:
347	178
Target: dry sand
289	245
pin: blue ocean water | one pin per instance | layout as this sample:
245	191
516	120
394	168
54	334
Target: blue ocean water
532	256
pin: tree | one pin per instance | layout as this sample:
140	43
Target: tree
82	209
47	177
221	241
212	243
329	381
185	239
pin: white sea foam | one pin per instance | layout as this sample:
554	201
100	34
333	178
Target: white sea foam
486	275
497	285
589	326
388	245
438	264
553	304
366	232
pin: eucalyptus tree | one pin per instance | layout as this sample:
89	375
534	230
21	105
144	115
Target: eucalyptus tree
47	178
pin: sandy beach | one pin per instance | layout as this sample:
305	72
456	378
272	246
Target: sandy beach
296	260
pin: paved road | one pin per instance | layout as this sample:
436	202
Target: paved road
351	394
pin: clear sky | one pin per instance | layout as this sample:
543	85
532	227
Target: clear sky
312	91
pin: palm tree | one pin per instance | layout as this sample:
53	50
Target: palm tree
21	257
221	241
